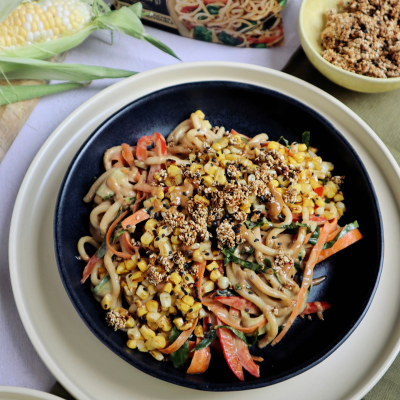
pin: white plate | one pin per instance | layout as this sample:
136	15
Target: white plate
87	368
19	393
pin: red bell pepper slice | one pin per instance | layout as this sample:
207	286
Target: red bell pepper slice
259	40
239	303
245	358
312	308
141	148
319	190
296	218
159	143
227	339
188	9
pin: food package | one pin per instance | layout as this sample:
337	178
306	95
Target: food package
240	23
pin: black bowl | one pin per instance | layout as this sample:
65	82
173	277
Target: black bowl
352	274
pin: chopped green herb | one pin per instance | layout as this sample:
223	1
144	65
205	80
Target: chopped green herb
103	248
202	33
306	138
285	141
226	38
180	357
264	221
237	287
343	232
229	256
226	293
108	196
209	337
213	10
314	237
247	250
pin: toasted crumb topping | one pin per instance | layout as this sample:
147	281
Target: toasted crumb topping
115	320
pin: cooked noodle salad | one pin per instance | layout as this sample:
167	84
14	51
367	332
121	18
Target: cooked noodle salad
209	240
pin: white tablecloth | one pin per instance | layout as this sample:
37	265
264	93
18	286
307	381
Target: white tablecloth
20	365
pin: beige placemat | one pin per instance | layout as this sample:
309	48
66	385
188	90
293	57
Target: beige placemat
381	112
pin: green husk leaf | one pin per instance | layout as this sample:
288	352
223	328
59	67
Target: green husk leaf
7	7
12	94
28	68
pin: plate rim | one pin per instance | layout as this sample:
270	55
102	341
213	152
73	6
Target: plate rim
75	388
34	394
214	387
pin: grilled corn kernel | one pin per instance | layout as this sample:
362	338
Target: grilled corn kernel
121	269
299	157
302	147
178	322
158	342
186	326
207	287
330	190
208	180
178	180
215	275
197	306
198	256
157	355
188	300
164	323
200	114
328	215
233	157
152	306
134	334
132	344
202	199
149	345
147	332
297	209
178	291
219	156
319	202
172	310
246	207
183	306
130	323
273	146
167	287
214	265
275	183
142	310
105	302
197	168
142	265
175	240
141	346
136	275
223	282
192	315
175	278
224	142
150	224
338	197
147	238
198	331
339	212
188	279
308	203
283	180
216	146
151	289
142	292
153	316
173	171
165	300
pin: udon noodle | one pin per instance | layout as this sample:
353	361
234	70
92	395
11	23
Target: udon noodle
211	237
242	23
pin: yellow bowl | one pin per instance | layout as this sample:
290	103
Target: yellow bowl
312	21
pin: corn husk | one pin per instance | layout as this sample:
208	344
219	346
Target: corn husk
125	20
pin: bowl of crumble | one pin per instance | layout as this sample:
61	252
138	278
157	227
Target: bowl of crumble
355	44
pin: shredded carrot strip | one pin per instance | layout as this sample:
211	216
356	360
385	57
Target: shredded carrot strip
180	340
348	239
201	360
127	154
108	236
135	218
308	271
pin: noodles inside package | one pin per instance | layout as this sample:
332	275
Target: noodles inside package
240	23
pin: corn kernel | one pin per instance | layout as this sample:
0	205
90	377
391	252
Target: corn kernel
132	344
165	300
188	300
142	310
142	292
299	157
167	287
273	146
147	238
175	278
188	279
216	146
147	332
200	114
187	326
153	316
224	142
134	334
219	156
141	346
149	345
197	306
232	157
198	256
178	291
178	322
164	323
121	269
198	331
173	171
178	180
319	202
158	342
297	209
214	265
207	287
136	275
302	147
192	315
330	190
150	224
215	275
338	197
152	306
275	183
142	265
151	289
283	180
105	302
175	240
183	306
202	199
